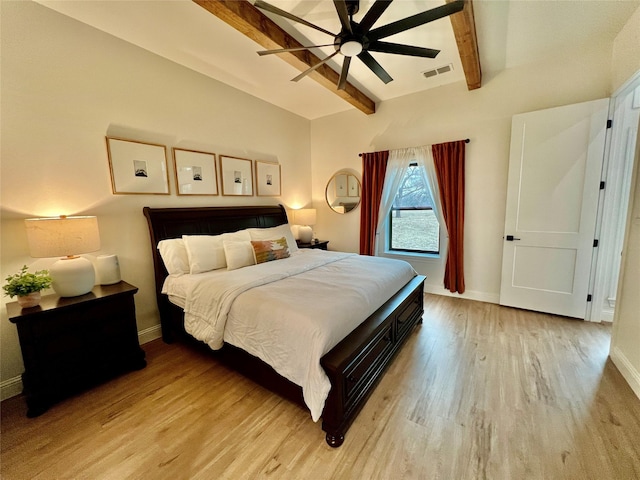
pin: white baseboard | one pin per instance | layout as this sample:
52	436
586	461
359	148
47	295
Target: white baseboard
13	386
628	371
148	334
468	294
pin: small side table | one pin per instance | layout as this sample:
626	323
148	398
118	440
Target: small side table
72	343
319	244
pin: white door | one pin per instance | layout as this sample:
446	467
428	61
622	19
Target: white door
555	166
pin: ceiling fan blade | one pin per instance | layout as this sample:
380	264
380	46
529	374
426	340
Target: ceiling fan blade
342	83
375	67
399	49
343	13
374	13
297	49
416	20
270	8
317	65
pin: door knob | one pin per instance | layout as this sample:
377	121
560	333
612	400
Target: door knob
511	238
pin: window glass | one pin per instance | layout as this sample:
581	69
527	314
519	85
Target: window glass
412	222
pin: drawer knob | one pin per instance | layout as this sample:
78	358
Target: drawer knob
352	379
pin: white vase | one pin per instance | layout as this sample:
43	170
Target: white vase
30	300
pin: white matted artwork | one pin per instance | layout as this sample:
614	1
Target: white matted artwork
341	185
353	186
137	167
237	176
268	181
195	172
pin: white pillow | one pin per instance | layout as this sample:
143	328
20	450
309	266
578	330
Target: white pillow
206	252
239	254
274	233
174	255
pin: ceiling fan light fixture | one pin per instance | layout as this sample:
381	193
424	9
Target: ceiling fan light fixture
351	48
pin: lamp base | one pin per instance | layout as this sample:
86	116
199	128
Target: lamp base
305	233
72	276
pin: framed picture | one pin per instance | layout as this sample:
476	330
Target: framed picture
353	186
341	185
237	176
137	167
267	179
195	172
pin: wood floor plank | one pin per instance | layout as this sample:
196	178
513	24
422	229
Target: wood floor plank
478	392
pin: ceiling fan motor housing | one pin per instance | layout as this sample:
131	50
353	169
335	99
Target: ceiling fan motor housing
351	44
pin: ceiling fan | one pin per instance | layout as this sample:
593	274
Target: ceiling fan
358	39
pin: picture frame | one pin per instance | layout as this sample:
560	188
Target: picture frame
268	179
341	185
195	172
353	186
137	167
236	175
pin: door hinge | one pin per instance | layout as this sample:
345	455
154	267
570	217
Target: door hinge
589	298
609	123
602	184
595	243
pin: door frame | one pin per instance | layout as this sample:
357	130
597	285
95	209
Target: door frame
612	214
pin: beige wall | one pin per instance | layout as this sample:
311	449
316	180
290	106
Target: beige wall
451	113
626	52
64	87
625	344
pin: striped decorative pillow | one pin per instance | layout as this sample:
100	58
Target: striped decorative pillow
268	250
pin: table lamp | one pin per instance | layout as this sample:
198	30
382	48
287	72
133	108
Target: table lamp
68	237
305	217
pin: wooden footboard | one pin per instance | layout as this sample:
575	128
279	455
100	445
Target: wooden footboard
354	366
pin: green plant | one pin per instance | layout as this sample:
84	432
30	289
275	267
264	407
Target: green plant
24	283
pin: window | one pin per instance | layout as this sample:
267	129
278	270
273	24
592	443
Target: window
413	226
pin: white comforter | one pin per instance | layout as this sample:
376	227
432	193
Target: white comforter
289	312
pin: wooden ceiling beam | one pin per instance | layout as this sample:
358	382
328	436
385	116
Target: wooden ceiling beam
247	19
464	29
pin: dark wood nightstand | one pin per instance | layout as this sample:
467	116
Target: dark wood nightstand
70	344
319	244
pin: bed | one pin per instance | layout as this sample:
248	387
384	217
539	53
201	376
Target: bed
352	363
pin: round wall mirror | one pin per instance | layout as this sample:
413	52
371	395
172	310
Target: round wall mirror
343	192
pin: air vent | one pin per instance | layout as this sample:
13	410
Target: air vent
438	71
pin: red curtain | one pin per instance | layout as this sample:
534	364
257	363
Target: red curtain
449	165
374	168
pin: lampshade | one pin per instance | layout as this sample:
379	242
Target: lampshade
62	236
305	216
66	236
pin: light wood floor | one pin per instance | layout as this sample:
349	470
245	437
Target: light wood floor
479	392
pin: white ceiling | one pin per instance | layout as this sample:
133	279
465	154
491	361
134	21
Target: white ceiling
510	33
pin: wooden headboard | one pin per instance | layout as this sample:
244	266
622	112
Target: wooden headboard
165	223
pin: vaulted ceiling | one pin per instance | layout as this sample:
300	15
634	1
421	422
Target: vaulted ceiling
509	33
250	21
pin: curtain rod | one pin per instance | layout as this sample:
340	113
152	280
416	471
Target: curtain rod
466	140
